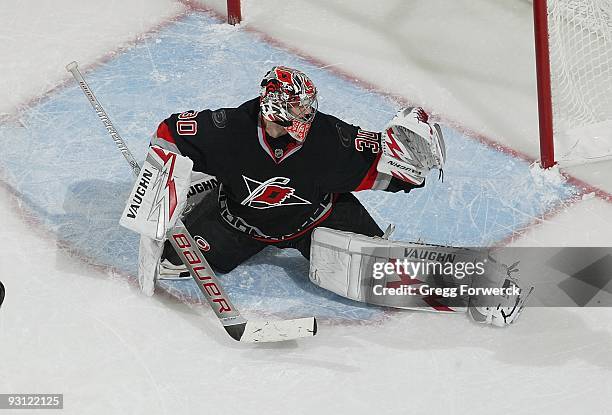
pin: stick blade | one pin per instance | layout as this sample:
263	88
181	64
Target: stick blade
278	331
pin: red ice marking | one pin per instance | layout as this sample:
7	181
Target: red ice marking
345	75
138	38
482	138
67	247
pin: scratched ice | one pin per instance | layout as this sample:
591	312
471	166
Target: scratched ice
70	175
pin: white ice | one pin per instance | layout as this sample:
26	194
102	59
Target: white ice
66	327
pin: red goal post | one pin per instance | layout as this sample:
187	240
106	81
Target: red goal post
573	43
234	15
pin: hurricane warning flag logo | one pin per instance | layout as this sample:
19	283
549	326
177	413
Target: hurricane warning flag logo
271	193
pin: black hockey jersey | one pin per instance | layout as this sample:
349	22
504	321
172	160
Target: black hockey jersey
273	188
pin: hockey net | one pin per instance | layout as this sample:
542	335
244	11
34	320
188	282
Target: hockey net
578	104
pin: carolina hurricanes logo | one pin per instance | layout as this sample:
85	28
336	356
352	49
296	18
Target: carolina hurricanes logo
202	243
271	193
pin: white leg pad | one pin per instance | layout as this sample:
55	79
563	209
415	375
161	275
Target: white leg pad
149	254
344	263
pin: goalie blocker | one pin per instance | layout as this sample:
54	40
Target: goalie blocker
154	206
415	276
159	195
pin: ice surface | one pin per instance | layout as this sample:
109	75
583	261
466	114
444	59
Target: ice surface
86	331
69	171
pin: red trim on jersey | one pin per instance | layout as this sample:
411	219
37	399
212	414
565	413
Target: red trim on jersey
164	133
264	140
370	177
292	147
303	231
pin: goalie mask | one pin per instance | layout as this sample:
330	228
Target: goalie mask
289	98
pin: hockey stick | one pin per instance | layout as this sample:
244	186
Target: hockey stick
236	326
1	293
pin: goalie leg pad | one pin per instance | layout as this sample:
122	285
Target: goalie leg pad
149	254
361	268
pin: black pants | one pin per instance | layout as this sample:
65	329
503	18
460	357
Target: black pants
226	248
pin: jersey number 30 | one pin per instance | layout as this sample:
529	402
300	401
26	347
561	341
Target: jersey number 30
367	139
186	124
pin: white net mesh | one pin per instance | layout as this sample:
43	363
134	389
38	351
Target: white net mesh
580	37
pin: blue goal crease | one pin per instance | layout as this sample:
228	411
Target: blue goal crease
72	177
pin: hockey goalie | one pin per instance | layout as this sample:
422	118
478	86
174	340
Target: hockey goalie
276	171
